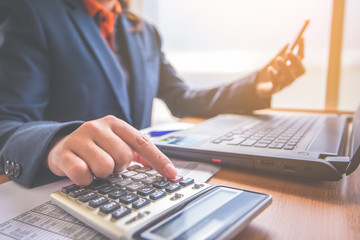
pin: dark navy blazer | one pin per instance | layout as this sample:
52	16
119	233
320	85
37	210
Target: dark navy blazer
56	71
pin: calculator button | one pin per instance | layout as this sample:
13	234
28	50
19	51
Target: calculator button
176	179
109	207
134	186
157	195
161	184
140	203
133	167
117	193
106	189
123	183
128	174
78	192
97	184
177	196
173	188
147	190
114	180
197	186
186	182
149	180
70	188
97	202
114	177
139	177
151	172
121	212
128	198
143	169
87	197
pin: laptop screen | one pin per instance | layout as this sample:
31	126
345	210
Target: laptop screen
355	152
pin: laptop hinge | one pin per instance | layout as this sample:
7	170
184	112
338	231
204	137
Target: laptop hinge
340	163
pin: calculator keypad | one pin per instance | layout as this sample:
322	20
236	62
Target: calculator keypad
126	192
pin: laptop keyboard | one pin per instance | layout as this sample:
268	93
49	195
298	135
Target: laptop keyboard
283	132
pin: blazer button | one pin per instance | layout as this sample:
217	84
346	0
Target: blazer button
17	170
7	167
11	169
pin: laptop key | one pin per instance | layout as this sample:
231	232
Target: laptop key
236	141
248	143
289	147
217	141
261	145
276	145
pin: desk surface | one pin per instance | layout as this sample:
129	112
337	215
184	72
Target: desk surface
301	209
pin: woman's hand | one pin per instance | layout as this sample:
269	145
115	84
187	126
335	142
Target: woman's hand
102	147
282	70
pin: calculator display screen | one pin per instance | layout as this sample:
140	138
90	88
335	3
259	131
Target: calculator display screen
207	216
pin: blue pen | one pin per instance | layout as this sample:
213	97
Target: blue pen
160	133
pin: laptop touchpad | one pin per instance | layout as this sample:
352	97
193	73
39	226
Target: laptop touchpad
328	140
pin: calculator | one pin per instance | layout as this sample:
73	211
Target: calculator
140	204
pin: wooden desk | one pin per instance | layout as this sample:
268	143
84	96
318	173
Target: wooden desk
3	178
301	209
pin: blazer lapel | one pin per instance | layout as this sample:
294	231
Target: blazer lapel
105	58
139	93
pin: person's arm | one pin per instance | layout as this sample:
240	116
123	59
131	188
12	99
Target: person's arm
248	93
233	97
24	87
30	145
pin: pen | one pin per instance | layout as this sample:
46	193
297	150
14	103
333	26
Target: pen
300	35
160	133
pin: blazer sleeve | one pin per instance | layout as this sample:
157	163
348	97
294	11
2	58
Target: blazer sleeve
238	96
24	94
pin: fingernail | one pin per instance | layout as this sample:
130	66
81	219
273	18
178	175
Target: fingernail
170	170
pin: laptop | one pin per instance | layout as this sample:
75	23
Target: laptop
309	145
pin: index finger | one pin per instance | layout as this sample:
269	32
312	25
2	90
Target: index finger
145	148
281	53
301	48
